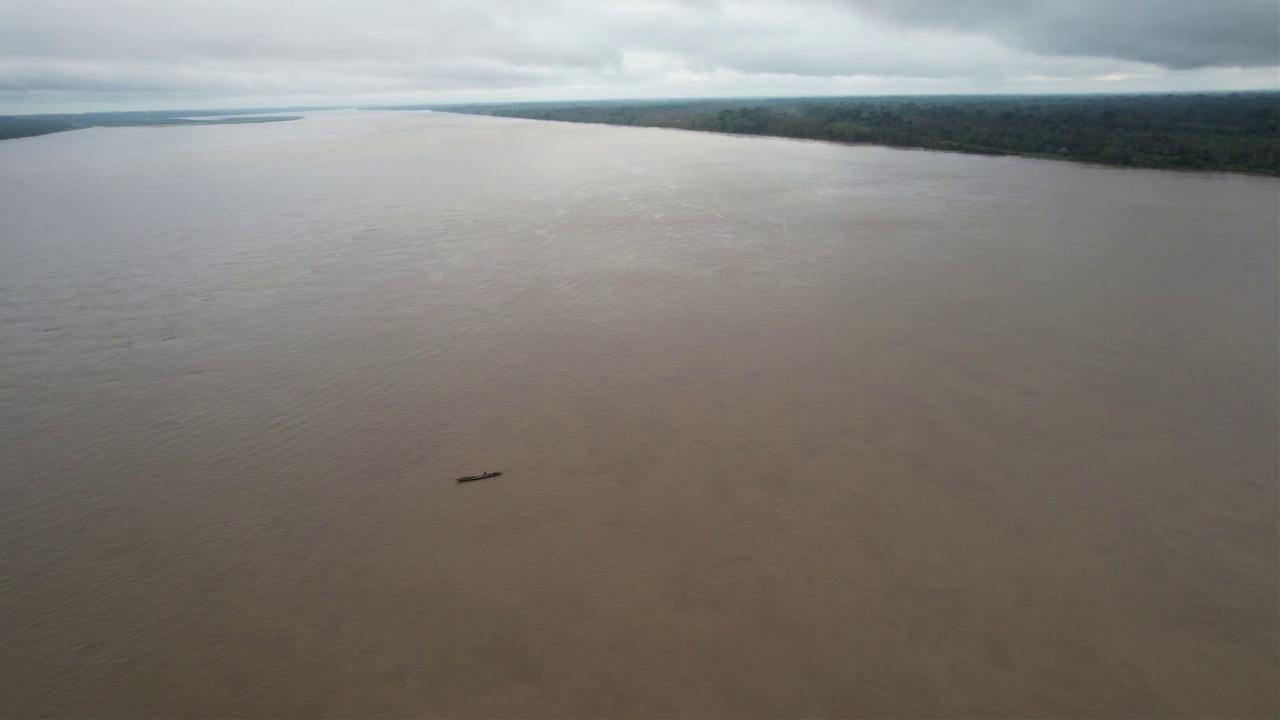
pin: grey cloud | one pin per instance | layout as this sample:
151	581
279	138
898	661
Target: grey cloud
389	30
350	78
351	51
1176	34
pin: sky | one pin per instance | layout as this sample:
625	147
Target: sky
84	55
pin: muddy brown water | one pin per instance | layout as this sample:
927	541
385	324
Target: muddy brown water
786	429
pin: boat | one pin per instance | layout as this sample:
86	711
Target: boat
481	476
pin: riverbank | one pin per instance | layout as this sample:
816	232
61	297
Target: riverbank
1228	132
18	126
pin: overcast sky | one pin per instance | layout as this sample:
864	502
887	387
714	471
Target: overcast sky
72	55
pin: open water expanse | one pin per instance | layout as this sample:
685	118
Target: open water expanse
786	429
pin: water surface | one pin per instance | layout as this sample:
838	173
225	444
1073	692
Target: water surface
786	429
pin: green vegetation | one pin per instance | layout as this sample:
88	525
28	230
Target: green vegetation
29	125
1222	131
1217	131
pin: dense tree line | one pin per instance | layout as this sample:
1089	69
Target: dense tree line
26	126
17	126
1219	131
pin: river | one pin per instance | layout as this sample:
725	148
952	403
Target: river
786	429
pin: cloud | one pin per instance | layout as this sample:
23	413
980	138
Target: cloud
1175	34
71	54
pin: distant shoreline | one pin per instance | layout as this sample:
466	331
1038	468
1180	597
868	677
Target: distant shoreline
1236	132
852	143
15	127
1207	132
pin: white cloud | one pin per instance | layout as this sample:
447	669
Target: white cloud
60	55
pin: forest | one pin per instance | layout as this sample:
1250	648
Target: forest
1206	131
17	126
1237	132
